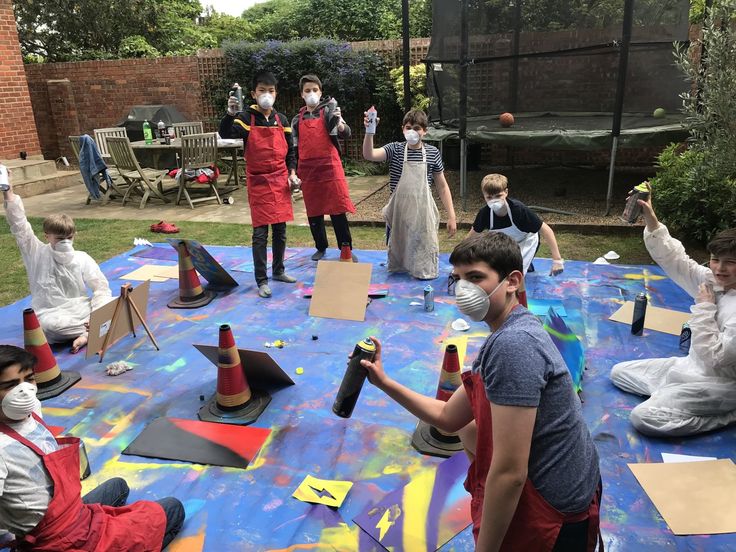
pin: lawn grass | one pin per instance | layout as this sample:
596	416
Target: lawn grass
104	239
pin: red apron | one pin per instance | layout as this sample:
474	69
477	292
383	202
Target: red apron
269	195
323	179
69	525
536	523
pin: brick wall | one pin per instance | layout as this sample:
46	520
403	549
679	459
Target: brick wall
16	134
102	93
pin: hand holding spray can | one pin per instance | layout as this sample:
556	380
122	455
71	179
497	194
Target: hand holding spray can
372	116
633	209
237	92
640	311
352	381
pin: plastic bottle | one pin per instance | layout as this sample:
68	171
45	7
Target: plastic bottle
372	115
147	133
161	133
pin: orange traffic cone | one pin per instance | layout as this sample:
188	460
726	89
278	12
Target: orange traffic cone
521	294
234	402
50	379
191	293
346	254
428	439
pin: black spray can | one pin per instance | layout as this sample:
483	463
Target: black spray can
640	310
352	381
685	336
633	209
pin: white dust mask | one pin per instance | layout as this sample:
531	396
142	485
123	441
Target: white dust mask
265	101
412	137
63	246
472	299
496	205
20	401
312	99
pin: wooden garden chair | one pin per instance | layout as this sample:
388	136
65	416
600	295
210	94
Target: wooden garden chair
191	127
198	151
147	182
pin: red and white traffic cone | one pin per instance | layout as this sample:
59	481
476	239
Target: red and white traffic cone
428	439
191	293
51	381
234	402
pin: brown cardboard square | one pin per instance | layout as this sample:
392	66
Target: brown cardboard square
154	273
340	290
100	319
694	498
657	319
261	370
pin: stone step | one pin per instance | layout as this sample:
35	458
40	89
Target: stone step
25	170
49	183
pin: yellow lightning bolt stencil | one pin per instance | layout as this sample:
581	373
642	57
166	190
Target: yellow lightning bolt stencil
387	520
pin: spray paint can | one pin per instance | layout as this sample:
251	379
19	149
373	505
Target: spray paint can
237	91
372	116
633	209
685	336
352	381
428	299
640	311
4	181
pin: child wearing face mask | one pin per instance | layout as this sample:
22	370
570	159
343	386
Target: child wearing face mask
534	477
317	129
411	215
513	218
58	275
270	163
40	494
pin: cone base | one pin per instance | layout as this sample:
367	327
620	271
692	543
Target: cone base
68	378
246	415
425	442
206	299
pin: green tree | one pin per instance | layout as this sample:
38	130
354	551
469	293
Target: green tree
225	27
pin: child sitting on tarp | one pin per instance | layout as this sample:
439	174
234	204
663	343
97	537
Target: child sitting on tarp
411	215
534	479
40	492
58	275
696	393
513	218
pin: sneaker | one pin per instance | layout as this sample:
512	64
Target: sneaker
317	255
264	291
284	277
165	228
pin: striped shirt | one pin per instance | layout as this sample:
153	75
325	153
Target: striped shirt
395	157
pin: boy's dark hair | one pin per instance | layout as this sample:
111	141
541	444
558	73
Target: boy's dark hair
309	78
10	354
416	117
723	244
264	77
496	249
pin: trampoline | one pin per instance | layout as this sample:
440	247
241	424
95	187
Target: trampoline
574	79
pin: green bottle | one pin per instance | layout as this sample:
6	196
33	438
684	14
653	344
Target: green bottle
147	134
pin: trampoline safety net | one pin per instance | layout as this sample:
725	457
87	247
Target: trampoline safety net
546	58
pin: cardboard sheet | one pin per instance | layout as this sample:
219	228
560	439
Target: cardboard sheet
146	272
694	498
657	319
340	290
101	319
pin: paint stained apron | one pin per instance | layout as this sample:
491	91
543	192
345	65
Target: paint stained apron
324	188
69	525
414	220
269	195
536	523
528	241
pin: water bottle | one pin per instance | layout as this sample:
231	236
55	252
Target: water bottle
372	115
147	133
640	311
633	209
352	381
161	133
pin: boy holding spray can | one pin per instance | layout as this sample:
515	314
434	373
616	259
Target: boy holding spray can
316	130
270	161
538	458
695	393
411	215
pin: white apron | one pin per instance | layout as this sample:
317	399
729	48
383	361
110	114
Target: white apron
528	241
414	220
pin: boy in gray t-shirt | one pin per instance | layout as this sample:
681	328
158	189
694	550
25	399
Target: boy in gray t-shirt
534	479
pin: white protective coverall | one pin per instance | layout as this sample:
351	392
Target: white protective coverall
57	280
696	393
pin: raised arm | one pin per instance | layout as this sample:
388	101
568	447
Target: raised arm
369	152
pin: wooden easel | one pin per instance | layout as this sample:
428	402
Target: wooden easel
126	298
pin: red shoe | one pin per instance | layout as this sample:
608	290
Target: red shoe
165	228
